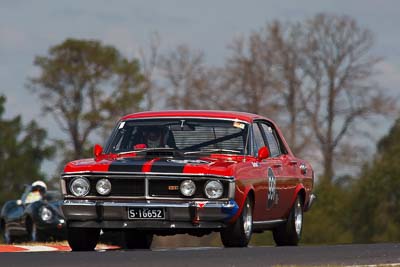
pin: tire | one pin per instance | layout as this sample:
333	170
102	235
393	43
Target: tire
239	233
7	237
35	234
134	239
289	233
83	239
115	238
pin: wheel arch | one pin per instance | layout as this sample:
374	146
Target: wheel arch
2	224
299	191
249	191
251	194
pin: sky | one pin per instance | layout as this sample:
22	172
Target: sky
29	28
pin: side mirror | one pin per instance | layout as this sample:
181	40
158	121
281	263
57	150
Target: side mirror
263	153
97	150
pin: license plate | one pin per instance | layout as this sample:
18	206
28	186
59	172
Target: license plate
146	213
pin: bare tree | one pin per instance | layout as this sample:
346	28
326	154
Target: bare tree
286	41
188	79
341	92
248	79
315	78
150	62
264	75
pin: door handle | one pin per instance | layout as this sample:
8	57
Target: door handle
293	162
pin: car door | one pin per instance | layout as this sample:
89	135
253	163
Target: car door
284	170
267	170
259	174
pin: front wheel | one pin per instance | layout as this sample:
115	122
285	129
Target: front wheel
8	238
289	233
239	233
83	239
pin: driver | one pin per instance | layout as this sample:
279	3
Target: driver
153	137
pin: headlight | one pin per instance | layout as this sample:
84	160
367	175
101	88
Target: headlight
213	189
46	214
80	187
188	188
103	187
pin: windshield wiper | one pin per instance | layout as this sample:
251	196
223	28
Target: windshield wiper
148	149
213	150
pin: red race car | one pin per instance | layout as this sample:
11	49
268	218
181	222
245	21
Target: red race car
195	172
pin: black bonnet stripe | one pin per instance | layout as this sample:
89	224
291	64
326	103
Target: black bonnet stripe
127	165
167	166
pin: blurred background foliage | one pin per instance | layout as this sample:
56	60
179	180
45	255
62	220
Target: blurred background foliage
22	151
314	77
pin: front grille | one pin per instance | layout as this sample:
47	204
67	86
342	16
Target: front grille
170	188
157	186
163	188
123	187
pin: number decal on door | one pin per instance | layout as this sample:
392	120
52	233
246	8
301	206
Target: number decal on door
271	189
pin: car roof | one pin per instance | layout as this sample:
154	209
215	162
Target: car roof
243	116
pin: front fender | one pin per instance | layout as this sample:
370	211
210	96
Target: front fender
240	197
10	204
12	211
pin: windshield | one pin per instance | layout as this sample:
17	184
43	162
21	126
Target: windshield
186	135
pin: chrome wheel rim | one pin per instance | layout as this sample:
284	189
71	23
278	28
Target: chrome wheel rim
298	218
247	219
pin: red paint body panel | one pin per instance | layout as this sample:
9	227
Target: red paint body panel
89	165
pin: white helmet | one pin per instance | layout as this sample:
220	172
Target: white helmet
39	183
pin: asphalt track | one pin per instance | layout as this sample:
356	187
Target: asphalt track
207	257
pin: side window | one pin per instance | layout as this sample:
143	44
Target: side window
271	139
258	138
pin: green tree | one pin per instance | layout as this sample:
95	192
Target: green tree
22	151
376	198
83	84
330	220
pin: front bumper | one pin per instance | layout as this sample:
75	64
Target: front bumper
55	227
57	231
178	215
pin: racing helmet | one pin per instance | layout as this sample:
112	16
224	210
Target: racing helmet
39	185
